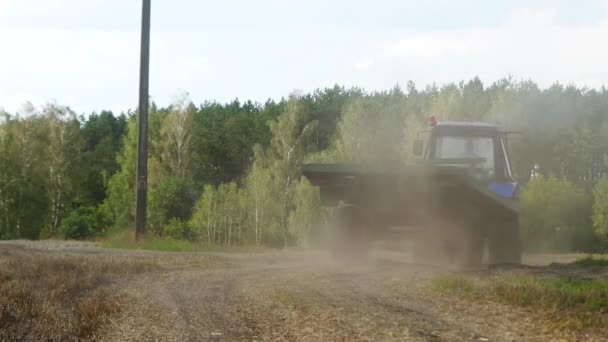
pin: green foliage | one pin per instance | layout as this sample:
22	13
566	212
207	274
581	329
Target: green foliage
247	156
556	215
172	198
371	130
120	202
83	223
222	136
177	229
126	240
600	208
261	192
306	214
592	260
103	135
292	139
260	210
219	215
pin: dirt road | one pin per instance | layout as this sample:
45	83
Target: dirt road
295	296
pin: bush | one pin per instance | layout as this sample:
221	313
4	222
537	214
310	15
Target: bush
306	214
574	303
556	216
126	240
83	223
600	208
178	229
172	198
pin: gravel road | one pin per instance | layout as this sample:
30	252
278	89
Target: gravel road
297	296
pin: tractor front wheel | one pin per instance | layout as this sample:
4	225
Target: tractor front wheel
504	243
472	255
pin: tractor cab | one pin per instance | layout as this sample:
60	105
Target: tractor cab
480	147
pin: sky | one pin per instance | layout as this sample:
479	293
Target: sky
85	54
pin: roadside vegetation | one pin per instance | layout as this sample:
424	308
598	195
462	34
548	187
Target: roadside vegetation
227	174
60	297
593	260
126	240
573	296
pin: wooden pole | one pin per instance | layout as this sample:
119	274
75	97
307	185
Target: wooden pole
142	134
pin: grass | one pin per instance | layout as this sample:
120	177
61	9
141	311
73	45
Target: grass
126	240
571	303
592	260
291	300
548	293
59	297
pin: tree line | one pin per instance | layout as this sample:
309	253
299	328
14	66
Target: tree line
229	173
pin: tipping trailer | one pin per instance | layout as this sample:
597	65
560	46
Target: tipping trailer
460	198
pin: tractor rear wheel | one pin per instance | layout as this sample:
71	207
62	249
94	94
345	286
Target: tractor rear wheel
349	235
458	246
429	247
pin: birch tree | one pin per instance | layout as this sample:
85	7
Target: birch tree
291	140
7	177
260	192
177	151
63	148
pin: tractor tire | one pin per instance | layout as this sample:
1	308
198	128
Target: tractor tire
465	248
461	248
468	248
472	252
428	248
504	243
349	236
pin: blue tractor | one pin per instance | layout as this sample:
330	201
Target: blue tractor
458	202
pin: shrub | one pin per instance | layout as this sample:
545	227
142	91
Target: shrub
52	297
83	223
556	215
171	198
126	240
178	229
600	209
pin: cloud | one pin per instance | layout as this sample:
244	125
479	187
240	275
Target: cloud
78	68
527	44
76	14
363	64
87	57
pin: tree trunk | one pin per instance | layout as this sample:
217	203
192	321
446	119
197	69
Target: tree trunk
229	230
209	227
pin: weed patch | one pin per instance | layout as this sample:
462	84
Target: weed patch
572	303
126	240
291	300
592	260
59	297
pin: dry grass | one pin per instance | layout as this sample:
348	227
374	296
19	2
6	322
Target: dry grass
571	304
59	297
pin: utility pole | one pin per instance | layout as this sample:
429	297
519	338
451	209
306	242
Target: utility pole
142	133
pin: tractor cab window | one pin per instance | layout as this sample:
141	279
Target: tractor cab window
447	147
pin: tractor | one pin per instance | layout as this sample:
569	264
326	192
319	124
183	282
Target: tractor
457	202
